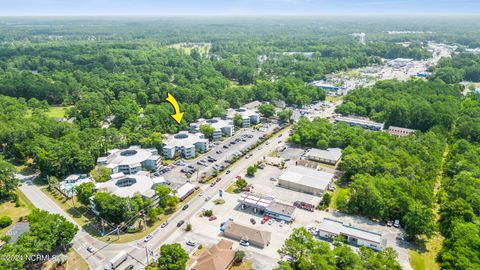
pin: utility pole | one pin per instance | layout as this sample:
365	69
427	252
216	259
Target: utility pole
146	252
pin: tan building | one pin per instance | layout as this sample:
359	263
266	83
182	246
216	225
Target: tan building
239	232
218	257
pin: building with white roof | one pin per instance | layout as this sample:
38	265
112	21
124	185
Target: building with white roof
305	180
185	144
131	160
361	122
222	127
329	156
330	228
131	184
185	190
249	116
67	186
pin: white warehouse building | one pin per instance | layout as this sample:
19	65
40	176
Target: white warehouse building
131	160
185	144
249	116
222	127
305	180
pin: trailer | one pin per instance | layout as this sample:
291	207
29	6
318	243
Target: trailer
117	260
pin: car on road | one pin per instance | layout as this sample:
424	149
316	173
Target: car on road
185	207
228	171
148	238
225	146
130	267
253	221
191	167
218	179
201	194
90	249
164	224
212	184
219	152
191	243
180	223
244	243
207	198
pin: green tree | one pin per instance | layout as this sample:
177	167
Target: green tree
101	174
172	257
285	115
266	110
207	130
5	221
239	255
241	183
251	171
238	120
84	191
418	221
8	182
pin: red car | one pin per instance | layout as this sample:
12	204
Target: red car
212	218
265	219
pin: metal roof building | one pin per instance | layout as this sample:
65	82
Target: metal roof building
305	180
329	156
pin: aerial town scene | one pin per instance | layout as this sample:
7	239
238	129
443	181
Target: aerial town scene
215	135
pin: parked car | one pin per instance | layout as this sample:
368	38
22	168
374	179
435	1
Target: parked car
389	223
148	238
396	224
164	224
212	218
270	222
244	243
180	223
191	243
185	207
90	249
265	219
253	221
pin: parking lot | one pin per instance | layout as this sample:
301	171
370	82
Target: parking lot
218	153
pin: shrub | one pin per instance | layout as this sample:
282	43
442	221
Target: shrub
5	222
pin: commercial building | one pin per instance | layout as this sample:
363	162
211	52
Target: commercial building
330	228
325	86
131	160
329	156
239	232
250	117
399	131
281	211
131	184
305	180
400	62
185	144
256	201
218	257
222	127
185	190
361	122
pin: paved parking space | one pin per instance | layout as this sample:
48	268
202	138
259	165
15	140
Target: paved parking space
292	153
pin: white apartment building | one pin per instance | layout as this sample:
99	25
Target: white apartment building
185	144
222	127
131	160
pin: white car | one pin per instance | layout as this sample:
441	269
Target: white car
270	222
148	238
90	249
244	243
201	194
191	243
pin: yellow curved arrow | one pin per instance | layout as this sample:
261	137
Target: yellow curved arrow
177	116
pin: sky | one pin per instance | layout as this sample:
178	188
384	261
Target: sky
233	7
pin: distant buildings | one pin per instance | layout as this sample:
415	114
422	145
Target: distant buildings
329	156
131	160
361	122
219	257
400	62
330	228
185	144
250	117
305	180
399	131
239	232
325	86
222	127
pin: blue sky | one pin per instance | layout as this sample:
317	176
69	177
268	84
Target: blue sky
235	7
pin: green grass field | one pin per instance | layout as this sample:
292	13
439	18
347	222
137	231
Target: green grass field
426	260
9	209
57	111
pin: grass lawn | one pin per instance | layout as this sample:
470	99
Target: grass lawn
233	189
57	111
9	209
426	260
85	219
75	261
245	265
333	99
338	190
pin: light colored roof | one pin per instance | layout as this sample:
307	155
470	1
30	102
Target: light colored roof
399	131
184	138
247	233
307	177
117	175
216	122
255	200
218	257
131	157
357	120
330	153
185	189
281	208
244	112
141	184
252	105
337	227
